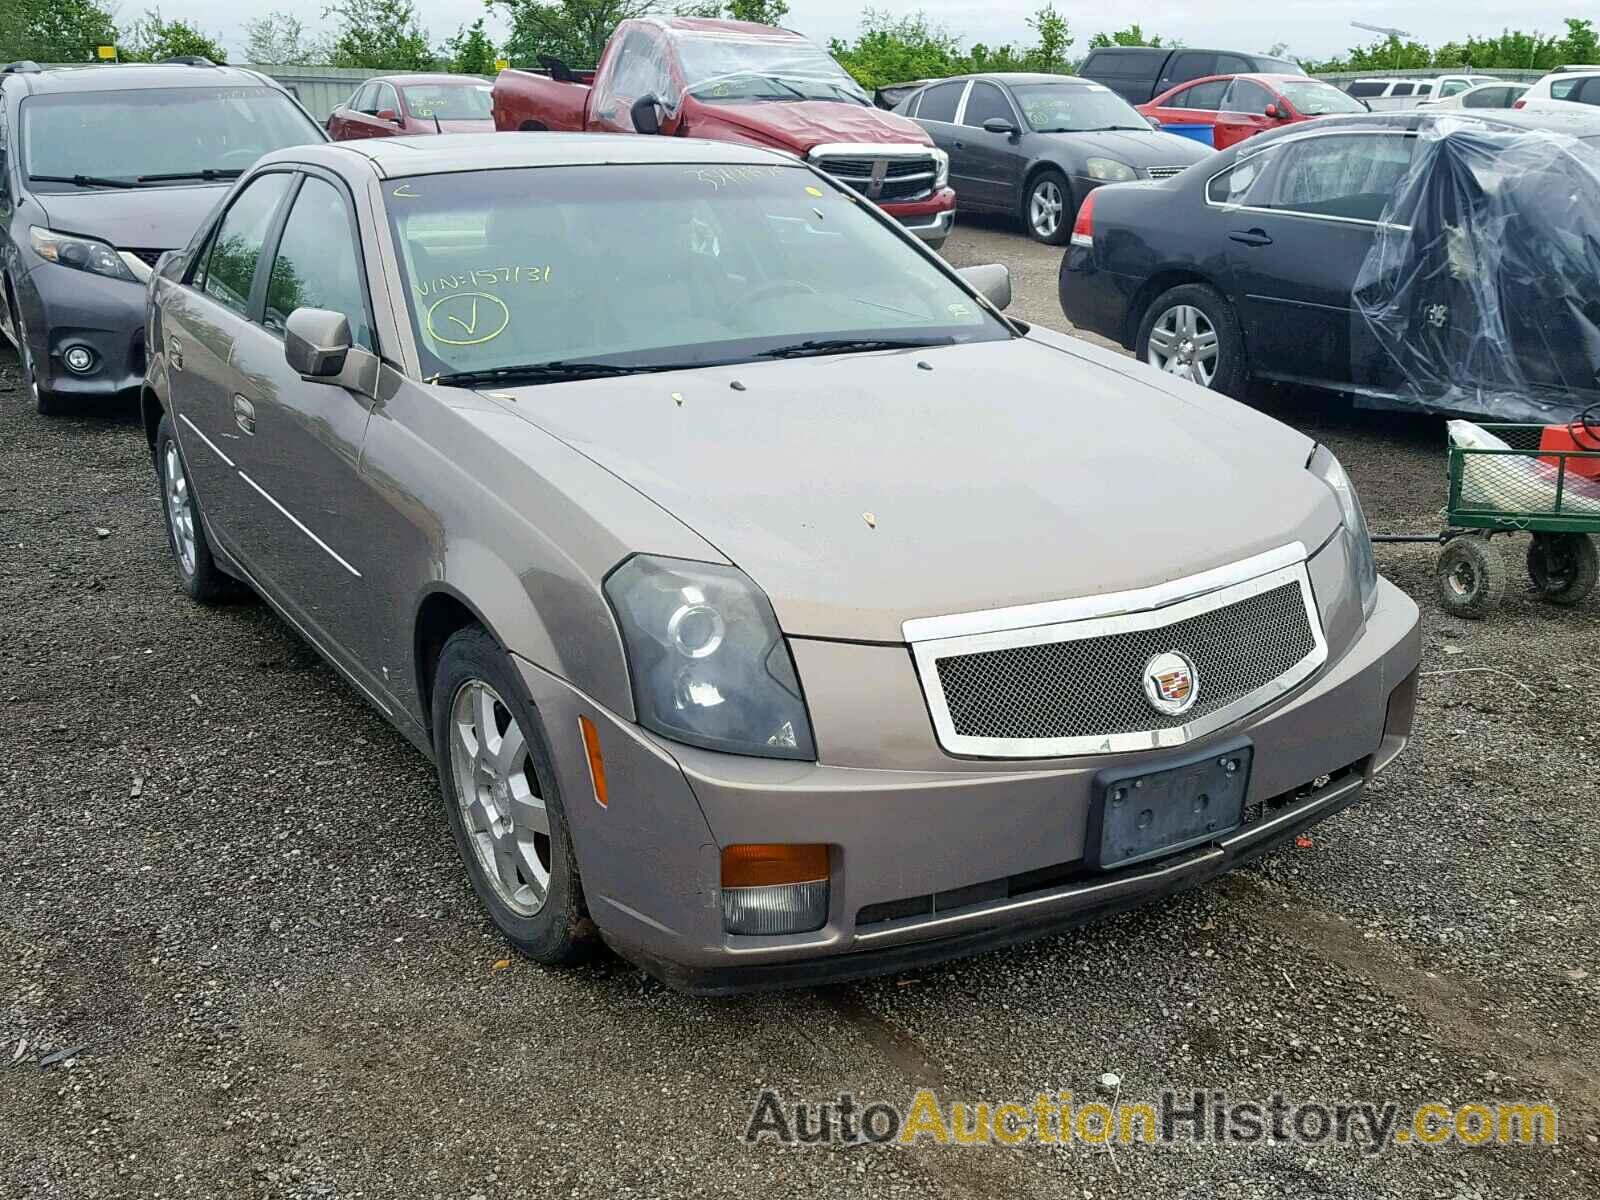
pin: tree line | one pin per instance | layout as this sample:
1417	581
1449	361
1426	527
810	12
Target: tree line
389	35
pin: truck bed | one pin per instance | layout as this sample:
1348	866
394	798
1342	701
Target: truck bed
532	100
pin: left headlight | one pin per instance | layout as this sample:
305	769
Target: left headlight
941	168
709	664
1326	468
80	253
1110	170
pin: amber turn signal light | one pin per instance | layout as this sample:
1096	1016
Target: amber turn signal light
597	764
759	865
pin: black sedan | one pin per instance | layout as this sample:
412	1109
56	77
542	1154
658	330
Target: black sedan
1262	264
1033	146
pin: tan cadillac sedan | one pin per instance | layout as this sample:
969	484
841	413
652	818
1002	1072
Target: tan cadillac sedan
775	609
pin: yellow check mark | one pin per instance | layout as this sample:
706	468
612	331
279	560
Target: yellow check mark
472	328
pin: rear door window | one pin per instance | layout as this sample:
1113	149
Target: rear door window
939	102
1191	64
1587	91
1206	97
229	271
1229	64
1350	176
1402	89
1238	183
1364	89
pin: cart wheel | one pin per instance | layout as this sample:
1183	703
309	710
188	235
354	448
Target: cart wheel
1563	566
1471	577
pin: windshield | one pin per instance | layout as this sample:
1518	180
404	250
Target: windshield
655	265
1075	107
1313	98
449	101
180	133
733	67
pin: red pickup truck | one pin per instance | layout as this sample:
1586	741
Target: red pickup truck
732	81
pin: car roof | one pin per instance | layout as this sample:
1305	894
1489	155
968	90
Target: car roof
394	157
121	77
1576	124
716	25
412	77
1013	77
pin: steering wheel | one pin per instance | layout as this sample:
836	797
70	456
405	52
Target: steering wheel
779	287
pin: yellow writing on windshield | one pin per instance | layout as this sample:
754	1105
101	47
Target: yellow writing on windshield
467	318
480	277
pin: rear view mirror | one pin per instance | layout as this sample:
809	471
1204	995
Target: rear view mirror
999	125
992	281
646	115
316	342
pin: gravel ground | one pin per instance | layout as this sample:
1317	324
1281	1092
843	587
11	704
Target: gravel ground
231	884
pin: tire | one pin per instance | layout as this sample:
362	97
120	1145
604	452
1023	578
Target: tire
46	403
1471	577
1173	332
1563	566
198	572
1049	198
528	883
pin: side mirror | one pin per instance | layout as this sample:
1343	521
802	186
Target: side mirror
315	343
1276	113
646	114
992	281
1154	124
388	114
1000	125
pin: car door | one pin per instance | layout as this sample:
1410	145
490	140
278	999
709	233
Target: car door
384	122
314	546
1296	243
1192	112
992	163
1185	65
1243	112
356	119
936	113
202	320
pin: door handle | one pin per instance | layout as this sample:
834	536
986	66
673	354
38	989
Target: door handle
1251	237
959	146
244	415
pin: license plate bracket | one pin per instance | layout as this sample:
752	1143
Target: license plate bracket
1143	813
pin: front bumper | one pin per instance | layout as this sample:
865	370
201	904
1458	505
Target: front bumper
931	864
62	308
930	219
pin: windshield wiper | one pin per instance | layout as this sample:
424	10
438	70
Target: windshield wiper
850	346
1107	129
85	180
207	173
552	372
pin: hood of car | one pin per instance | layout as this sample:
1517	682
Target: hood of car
153	218
1136	147
862	490
801	124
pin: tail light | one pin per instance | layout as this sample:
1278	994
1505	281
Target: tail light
1520	104
1083	226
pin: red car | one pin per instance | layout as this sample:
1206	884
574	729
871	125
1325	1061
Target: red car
732	81
391	105
1222	110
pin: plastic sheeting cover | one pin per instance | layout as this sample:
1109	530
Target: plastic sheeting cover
728	65
1482	287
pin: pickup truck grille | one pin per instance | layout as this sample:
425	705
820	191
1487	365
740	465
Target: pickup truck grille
881	177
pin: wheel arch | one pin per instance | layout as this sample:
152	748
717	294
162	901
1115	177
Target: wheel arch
151	410
441	613
1152	287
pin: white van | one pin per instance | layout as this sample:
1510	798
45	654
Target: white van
1380	94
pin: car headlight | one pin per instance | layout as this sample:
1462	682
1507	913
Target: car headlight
709	664
1110	170
81	253
1326	468
941	168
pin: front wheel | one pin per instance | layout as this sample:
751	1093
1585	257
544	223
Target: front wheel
1191	331
504	808
1471	577
45	402
198	572
1047	209
1563	566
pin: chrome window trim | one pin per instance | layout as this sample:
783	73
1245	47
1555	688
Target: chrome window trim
1387	131
933	638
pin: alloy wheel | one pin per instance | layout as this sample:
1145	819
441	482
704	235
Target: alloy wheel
1044	208
180	514
1183	342
504	816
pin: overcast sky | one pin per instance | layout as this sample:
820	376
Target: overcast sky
1310	27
